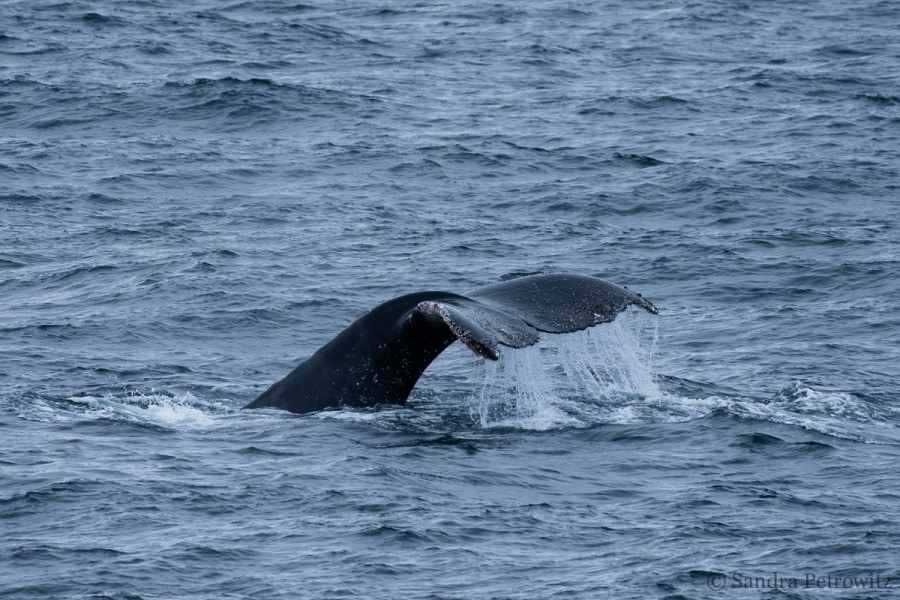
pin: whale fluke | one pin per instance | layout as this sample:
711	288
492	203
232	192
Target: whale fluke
379	358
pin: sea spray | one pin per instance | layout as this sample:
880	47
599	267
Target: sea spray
564	379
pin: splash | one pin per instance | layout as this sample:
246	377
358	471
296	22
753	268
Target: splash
573	379
182	412
605	375
151	409
518	391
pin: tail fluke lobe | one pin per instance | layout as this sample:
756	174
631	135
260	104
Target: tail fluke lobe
512	313
561	303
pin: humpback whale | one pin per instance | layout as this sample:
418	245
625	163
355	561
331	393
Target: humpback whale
379	358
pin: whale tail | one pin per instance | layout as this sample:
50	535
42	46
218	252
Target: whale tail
381	356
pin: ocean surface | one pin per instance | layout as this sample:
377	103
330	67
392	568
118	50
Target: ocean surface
195	196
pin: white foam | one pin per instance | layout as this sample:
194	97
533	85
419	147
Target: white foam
347	415
182	412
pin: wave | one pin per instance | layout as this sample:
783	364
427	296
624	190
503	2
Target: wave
602	376
155	410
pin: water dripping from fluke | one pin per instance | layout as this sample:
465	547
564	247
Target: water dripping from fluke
600	375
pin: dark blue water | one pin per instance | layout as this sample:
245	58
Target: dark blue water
196	196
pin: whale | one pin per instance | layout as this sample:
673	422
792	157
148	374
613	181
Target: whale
379	358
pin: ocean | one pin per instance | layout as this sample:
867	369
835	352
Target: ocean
195	196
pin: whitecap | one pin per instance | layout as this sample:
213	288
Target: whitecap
180	412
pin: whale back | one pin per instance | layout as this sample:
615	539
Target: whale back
380	357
